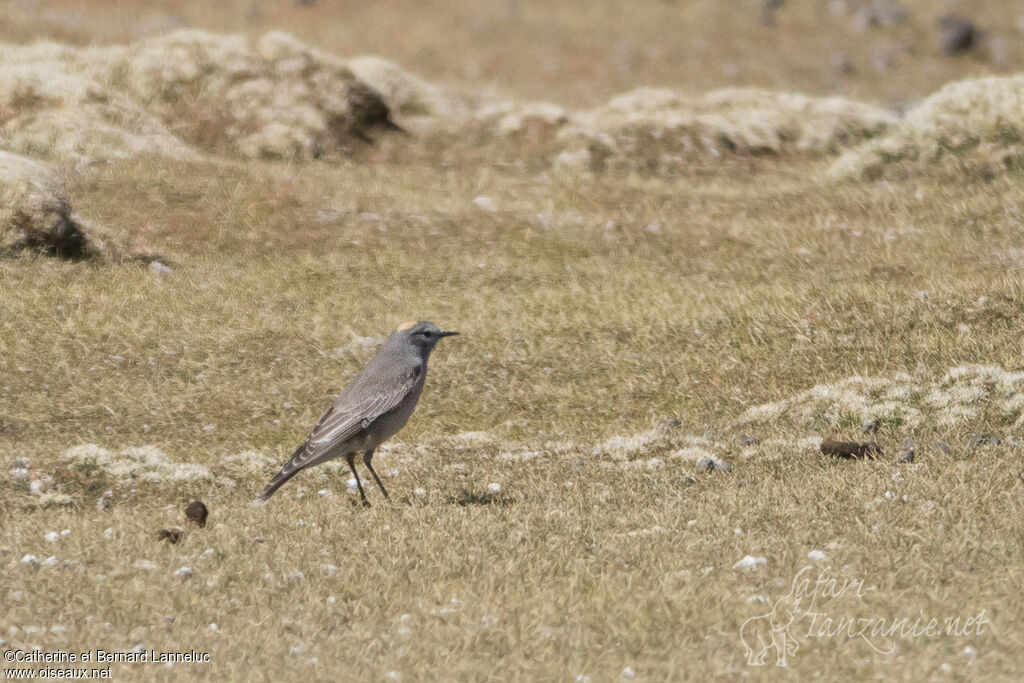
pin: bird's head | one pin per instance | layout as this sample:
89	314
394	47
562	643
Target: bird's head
422	335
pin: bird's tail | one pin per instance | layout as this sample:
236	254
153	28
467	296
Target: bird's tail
286	473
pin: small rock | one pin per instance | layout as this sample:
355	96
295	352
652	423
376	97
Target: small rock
485	204
957	35
668	424
880	14
197	513
687	481
816	556
871	427
145	565
51	561
943	447
172	536
713	464
325	493
494	487
330	569
850	449
105	501
183	573
1013	442
159	268
747	440
750	562
52	537
907	457
109	533
977	440
296	576
258	539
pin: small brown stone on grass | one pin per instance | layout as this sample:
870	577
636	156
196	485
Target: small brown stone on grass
197	512
850	449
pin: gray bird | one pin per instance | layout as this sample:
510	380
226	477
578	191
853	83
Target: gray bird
371	409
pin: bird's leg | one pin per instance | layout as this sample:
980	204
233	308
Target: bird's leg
367	457
351	458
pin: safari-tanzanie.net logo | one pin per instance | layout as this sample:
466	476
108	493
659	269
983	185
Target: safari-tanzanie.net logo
823	606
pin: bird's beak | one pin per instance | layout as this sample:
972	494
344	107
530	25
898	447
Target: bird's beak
448	333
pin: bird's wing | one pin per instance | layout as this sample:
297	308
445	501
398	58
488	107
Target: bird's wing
350	415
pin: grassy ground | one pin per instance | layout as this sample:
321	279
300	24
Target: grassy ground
581	321
590	308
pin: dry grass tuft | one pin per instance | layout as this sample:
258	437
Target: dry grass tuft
661	131
968	128
35	211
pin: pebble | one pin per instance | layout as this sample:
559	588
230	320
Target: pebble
485	203
816	556
977	440
957	35
197	512
750	562
159	268
105	501
713	464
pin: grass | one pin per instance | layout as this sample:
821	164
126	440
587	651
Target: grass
579	322
589	307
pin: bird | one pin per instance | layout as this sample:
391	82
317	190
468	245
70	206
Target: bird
372	408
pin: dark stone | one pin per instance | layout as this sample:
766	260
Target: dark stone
850	450
908	456
196	512
747	440
957	35
871	427
713	464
